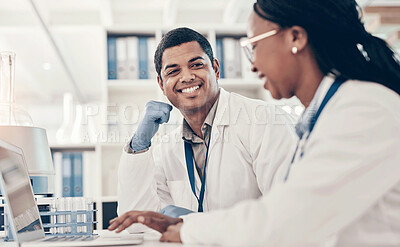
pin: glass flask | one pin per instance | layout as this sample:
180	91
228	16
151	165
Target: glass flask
78	131
84	130
63	135
10	113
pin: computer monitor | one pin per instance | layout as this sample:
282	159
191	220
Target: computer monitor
23	213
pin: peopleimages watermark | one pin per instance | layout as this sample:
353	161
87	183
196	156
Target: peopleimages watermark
116	123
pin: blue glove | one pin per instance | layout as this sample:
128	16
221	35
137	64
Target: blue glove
174	211
156	113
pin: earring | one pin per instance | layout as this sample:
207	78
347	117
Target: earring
294	50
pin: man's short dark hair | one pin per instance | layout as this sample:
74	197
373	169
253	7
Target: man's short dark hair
179	36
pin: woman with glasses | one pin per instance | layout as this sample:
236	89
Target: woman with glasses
343	185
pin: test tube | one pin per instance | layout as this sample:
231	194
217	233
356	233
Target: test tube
60	206
79	204
53	218
89	207
68	208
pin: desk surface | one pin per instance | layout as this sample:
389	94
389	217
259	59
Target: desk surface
151	239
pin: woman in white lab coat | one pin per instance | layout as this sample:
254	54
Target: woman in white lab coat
343	186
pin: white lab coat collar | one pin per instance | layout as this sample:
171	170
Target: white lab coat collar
304	122
222	113
323	88
221	118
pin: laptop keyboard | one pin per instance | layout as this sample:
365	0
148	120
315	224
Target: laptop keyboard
71	238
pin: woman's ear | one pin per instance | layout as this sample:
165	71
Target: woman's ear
297	38
216	68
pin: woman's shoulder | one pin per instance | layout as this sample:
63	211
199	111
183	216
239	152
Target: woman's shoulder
369	93
359	110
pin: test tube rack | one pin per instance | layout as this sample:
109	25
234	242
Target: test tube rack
72	225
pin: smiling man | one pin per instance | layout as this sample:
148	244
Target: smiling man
228	149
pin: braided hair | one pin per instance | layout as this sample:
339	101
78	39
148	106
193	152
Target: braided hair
338	38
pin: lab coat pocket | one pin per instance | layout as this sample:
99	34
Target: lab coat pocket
181	193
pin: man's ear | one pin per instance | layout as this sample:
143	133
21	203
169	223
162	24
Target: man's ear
297	37
160	84
216	68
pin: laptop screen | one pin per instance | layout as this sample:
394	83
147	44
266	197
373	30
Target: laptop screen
22	209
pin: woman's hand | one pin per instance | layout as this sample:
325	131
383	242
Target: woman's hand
173	234
156	221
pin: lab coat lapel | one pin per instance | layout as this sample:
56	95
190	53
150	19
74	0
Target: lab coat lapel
221	119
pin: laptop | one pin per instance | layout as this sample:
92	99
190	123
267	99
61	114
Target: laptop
23	214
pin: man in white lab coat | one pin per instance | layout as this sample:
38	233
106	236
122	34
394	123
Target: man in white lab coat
237	144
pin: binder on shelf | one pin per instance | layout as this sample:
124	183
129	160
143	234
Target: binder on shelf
77	178
122	58
66	175
220	56
72	174
112	58
152	46
231	54
58	179
143	58
238	60
84	181
133	62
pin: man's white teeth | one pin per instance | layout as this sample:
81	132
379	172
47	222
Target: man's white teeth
190	90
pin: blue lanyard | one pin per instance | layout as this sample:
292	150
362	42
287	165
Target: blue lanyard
190	169
332	90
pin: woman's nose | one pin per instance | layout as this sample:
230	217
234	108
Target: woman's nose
253	68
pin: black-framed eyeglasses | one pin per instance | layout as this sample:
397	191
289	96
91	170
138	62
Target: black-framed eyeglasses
247	43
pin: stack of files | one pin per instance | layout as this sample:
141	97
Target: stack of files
131	57
233	62
72	175
69	170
